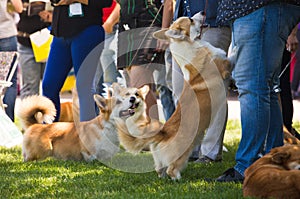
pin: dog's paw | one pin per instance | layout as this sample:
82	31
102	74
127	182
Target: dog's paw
162	172
87	157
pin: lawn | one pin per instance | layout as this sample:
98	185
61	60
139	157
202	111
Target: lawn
126	176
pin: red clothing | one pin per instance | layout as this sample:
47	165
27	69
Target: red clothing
108	11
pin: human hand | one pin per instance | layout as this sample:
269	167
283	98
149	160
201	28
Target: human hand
108	27
161	45
292	42
46	16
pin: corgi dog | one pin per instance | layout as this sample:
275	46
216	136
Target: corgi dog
275	175
205	69
89	140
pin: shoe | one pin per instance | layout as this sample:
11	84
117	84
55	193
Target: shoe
192	159
206	160
230	175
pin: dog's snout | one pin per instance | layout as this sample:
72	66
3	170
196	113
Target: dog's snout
202	13
132	99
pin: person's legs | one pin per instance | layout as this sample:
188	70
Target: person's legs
259	45
212	144
86	51
285	94
177	81
168	64
296	74
107	70
10	96
166	98
165	94
108	57
57	68
10	44
31	71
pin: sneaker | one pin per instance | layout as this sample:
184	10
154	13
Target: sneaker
206	160
230	175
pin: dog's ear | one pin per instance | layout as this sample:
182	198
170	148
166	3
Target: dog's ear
280	157
116	89
144	90
160	34
100	101
176	34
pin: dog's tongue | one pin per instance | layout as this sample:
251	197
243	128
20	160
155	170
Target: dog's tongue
128	112
135	105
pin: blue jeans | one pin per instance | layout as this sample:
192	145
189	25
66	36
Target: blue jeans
81	52
258	41
32	71
10	44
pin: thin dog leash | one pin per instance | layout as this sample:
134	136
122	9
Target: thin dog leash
147	33
276	88
287	65
203	24
203	21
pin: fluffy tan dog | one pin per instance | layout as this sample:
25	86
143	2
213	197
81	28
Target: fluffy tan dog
204	69
137	122
275	175
94	139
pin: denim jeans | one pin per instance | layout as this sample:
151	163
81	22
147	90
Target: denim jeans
32	71
10	44
81	52
258	42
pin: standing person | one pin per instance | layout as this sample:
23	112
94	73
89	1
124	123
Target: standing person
296	75
107	65
286	98
32	71
211	147
163	74
137	53
259	34
77	29
8	42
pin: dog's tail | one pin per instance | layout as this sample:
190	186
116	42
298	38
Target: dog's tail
35	109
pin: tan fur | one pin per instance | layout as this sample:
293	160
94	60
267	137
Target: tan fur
69	111
139	124
94	139
172	144
289	138
275	175
66	112
40	109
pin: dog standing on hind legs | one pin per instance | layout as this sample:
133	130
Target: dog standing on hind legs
204	68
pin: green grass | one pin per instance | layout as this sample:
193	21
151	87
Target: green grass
125	176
